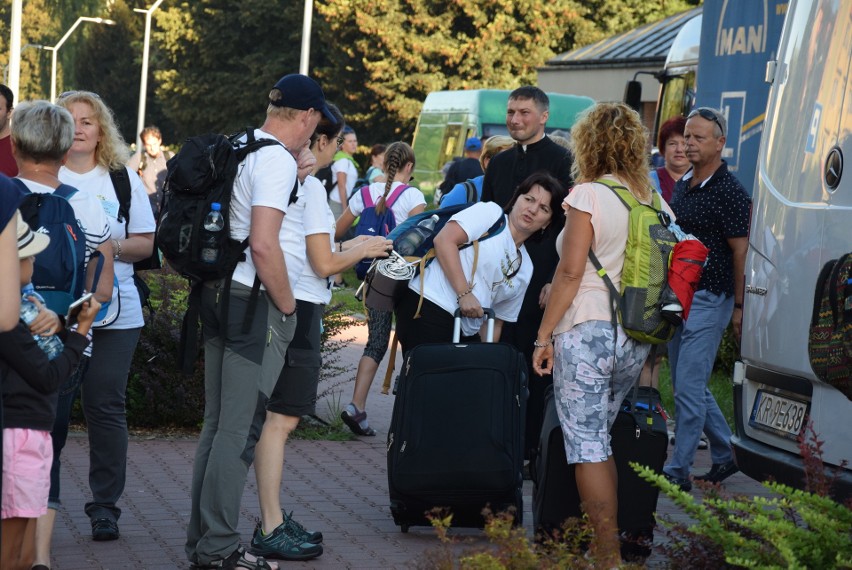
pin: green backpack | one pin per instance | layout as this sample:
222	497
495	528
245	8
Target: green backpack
646	266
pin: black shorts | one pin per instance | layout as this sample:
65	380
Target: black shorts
295	393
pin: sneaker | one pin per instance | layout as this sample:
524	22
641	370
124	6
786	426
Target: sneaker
718	472
282	545
298	531
684	484
104	529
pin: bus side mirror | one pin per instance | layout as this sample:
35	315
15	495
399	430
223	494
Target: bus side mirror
633	95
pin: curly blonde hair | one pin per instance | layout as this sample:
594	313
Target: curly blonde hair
609	138
112	152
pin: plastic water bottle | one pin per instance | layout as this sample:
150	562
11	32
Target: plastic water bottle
418	234
213	224
51	345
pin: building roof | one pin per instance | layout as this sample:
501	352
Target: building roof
648	44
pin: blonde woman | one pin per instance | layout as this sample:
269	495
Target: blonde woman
594	364
99	149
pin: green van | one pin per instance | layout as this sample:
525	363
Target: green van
449	118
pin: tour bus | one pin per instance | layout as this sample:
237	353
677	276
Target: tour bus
448	118
801	219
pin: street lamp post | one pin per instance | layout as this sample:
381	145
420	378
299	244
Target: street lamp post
143	84
58	45
7	66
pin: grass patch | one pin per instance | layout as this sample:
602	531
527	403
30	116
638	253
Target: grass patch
720	387
330	428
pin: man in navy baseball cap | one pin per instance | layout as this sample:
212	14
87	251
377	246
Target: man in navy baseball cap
299	92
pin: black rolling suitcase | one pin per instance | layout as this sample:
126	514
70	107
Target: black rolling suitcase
637	436
456	436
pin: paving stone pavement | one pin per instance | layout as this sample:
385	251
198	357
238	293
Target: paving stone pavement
339	488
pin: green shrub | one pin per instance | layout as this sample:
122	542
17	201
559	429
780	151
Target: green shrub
158	394
793	529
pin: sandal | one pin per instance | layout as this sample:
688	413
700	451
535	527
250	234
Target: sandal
353	421
235	561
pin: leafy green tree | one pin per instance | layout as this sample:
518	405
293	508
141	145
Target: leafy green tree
108	63
387	56
37	28
221	58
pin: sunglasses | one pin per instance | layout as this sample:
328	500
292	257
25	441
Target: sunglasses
706	113
340	141
65	94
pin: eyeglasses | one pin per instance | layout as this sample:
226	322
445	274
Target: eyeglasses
339	141
510	268
708	114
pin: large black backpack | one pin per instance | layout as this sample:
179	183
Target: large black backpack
202	173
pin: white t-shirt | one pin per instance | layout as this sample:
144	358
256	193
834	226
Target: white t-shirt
347	167
292	238
410	198
97	183
89	213
265	178
493	285
318	219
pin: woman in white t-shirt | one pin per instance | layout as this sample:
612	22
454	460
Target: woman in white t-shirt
502	272
99	149
399	163
309	226
344	172
593	363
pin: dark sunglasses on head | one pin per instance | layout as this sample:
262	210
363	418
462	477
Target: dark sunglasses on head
65	94
706	113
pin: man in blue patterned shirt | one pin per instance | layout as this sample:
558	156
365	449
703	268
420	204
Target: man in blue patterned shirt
711	204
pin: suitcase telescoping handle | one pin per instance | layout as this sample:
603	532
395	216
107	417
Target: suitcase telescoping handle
489	314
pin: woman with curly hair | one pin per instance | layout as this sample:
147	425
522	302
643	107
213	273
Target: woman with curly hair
593	363
98	151
399	163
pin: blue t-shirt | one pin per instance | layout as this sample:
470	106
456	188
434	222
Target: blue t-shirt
458	195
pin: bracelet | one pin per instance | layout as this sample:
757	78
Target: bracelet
738	305
116	246
538	344
340	249
460	295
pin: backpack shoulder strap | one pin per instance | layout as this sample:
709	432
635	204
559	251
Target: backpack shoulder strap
121	183
470	191
393	196
622	192
366	197
819	289
21	186
65	191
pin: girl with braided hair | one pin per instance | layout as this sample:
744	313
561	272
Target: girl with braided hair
399	163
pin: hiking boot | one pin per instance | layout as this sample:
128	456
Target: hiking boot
299	532
104	529
684	484
282	545
718	472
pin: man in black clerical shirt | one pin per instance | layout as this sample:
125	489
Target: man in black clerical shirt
526	116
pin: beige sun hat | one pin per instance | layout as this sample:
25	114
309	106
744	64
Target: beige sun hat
29	242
